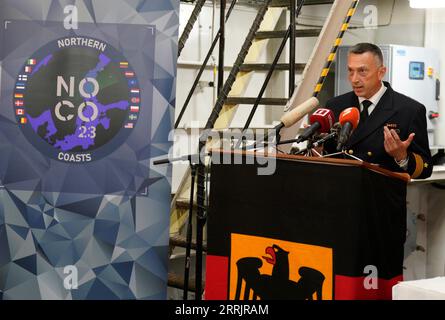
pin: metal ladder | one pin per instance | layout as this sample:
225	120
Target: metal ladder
225	104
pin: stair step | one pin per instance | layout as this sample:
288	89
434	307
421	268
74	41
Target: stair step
266	66
184	204
179	241
299	33
285	3
251	101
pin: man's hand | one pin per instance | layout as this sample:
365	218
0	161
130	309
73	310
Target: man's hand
395	147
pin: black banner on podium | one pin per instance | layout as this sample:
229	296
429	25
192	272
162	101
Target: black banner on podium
312	230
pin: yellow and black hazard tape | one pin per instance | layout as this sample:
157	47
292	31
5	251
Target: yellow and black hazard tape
334	49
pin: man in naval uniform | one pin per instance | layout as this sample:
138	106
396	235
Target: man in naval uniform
392	131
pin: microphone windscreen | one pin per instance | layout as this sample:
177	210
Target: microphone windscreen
324	117
351	115
297	113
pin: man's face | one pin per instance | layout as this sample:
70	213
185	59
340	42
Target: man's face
365	74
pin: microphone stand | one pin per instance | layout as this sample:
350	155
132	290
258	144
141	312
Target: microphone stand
343	151
308	150
193	167
311	144
266	137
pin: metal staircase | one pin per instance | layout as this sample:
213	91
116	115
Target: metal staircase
231	93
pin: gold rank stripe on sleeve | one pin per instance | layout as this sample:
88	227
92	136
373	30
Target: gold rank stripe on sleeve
334	49
419	166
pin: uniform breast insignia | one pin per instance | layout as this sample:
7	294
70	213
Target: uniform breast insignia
394	126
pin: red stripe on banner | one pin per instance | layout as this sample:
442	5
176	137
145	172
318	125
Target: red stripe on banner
217	277
353	288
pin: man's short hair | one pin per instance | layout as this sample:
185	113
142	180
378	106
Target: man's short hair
363	47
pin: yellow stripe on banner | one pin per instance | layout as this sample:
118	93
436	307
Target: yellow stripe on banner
331	57
338	42
325	72
344	27
318	87
351	12
419	166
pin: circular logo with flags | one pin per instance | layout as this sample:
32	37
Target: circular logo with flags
77	99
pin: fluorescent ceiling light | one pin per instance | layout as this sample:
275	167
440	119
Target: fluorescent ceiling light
422	4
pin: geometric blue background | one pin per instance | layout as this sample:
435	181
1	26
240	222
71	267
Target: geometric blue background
117	239
24	166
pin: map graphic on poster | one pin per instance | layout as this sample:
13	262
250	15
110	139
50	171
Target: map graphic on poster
77	94
77	107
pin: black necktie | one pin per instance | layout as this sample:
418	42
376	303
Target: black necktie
364	114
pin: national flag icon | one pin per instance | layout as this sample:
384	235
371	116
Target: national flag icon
123	64
18	103
23	77
129	126
134	109
18	95
135	100
20	86
28	69
31	62
23	120
129	74
133	117
20	112
135	90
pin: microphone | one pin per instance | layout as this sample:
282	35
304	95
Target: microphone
292	117
349	119
333	133
321	121
297	113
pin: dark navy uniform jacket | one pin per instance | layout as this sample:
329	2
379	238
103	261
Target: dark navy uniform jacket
398	112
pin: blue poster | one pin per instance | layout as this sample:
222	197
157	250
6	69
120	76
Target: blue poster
86	104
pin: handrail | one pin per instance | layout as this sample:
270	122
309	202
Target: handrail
222	45
236	66
266	81
292	54
272	67
189	26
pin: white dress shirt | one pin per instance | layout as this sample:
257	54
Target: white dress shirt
374	99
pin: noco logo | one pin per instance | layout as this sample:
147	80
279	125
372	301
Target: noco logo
77	99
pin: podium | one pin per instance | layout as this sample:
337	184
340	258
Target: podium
317	228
